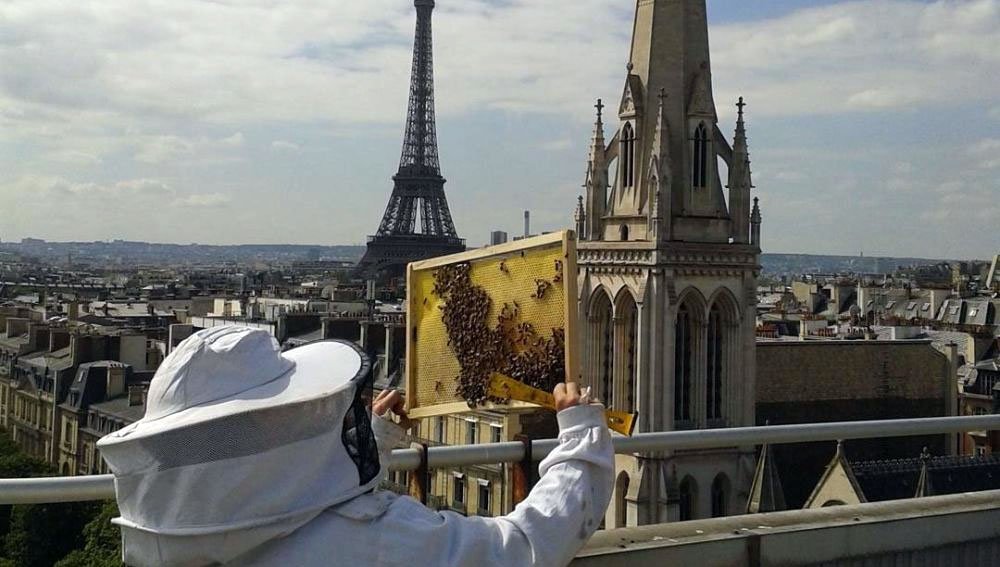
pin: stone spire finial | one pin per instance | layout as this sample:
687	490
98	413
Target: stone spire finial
755	220
924	480
740	142
597	142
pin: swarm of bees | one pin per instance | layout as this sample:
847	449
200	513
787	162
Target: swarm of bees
511	347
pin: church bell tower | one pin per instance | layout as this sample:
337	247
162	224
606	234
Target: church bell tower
668	270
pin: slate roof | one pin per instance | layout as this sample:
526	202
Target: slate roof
766	493
120	409
900	478
61	359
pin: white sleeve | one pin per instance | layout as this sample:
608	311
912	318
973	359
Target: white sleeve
388	436
547	529
569	501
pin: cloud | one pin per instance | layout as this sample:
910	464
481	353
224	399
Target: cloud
204	200
159	149
876	99
557	145
158	87
987	152
284	145
177	149
75	157
861	56
54	188
234	141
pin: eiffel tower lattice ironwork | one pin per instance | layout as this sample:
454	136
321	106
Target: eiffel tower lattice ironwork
418	187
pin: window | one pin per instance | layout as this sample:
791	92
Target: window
980	451
623	233
621	500
890	305
471	432
606	337
628	156
699	174
485	498
973	312
953	310
439	429
458	489
682	365
495	431
911	306
688	496
713	393
720	489
926	307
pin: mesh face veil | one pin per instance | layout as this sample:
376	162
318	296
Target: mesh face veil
357	434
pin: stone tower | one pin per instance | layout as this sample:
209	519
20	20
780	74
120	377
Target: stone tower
668	271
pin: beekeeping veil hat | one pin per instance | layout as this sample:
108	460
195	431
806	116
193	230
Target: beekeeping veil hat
240	443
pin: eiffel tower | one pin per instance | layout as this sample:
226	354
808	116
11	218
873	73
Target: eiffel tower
418	188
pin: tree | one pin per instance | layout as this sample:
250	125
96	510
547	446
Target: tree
102	542
41	534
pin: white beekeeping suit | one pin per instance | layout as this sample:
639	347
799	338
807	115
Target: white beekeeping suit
249	456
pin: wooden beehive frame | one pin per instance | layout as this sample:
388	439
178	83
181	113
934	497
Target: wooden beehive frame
564	242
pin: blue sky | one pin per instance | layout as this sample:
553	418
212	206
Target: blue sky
874	125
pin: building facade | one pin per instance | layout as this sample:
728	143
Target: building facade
668	271
831	379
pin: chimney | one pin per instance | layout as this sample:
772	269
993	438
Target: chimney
38	337
993	437
527	224
16	326
58	339
136	395
951	393
73	310
81	348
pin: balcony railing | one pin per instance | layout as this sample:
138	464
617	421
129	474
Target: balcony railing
101	487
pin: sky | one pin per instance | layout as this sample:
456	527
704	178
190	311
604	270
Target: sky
874	126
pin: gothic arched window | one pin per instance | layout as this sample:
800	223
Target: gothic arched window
716	349
626	323
688	498
699	170
603	343
720	496
621	504
623	232
683	367
628	155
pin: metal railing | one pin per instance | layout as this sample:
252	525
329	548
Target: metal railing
101	487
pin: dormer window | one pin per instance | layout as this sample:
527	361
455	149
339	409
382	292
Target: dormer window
699	170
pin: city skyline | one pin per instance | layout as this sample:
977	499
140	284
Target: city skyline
872	124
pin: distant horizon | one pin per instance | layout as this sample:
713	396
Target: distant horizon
361	246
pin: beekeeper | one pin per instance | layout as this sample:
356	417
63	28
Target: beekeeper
250	456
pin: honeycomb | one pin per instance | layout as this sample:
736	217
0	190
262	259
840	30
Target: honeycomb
506	312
